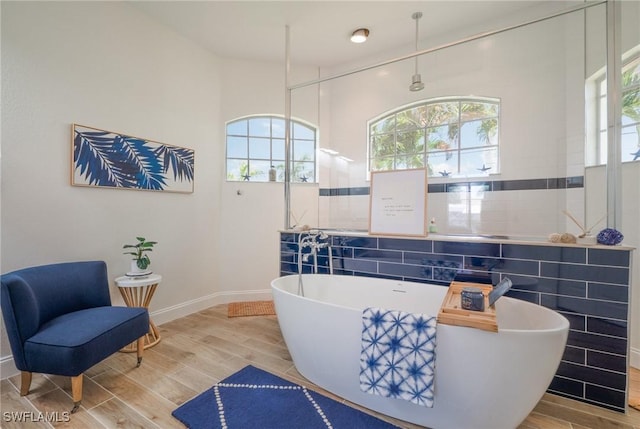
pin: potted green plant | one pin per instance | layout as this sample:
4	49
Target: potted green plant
141	261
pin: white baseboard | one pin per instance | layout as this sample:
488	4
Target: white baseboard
8	368
184	309
634	358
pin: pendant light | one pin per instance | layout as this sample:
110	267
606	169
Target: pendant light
416	80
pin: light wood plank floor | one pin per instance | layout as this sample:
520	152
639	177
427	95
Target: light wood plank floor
199	350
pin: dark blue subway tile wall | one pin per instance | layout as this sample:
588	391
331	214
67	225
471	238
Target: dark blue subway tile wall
378	255
608	257
462	248
589	286
568	387
602	343
611	327
549	286
520	185
606	361
340	192
607	292
603	396
575	355
407	245
594	273
545	253
574	182
355	242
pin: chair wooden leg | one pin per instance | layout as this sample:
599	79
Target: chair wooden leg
76	392
140	350
25	382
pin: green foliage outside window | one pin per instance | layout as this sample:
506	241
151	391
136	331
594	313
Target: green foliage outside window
630	121
631	112
457	137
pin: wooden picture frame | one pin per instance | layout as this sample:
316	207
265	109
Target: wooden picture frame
398	203
107	159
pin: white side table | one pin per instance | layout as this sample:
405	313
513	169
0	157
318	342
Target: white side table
137	292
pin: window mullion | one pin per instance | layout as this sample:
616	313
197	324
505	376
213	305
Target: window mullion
441	123
262	145
459	137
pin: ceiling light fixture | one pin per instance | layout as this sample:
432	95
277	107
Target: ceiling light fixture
360	35
416	80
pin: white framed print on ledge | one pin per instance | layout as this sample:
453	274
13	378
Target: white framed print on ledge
398	203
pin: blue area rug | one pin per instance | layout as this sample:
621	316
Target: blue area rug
253	398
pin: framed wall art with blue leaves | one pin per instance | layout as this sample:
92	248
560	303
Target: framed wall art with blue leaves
107	159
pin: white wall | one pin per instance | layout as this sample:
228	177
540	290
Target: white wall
104	64
252	214
536	72
108	66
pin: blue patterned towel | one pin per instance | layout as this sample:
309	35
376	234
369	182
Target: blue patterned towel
398	355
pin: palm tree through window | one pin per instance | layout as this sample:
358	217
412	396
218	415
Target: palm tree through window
451	137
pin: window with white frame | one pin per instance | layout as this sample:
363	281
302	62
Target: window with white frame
630	142
256	145
451	137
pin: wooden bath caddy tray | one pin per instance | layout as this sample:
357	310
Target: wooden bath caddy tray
452	313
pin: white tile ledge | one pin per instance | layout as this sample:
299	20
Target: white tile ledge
481	238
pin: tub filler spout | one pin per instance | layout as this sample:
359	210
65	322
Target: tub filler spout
311	240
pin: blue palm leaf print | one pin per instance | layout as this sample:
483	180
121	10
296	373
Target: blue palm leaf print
142	164
99	163
107	159
179	160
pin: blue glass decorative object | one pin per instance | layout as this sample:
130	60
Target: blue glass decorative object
610	237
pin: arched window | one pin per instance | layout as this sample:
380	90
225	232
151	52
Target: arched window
255	144
451	137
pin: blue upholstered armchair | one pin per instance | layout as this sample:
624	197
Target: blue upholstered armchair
60	321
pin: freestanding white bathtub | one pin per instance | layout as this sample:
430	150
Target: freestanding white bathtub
483	380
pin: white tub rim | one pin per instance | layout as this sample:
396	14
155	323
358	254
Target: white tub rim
563	323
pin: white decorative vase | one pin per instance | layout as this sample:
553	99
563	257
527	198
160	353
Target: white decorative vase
135	269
